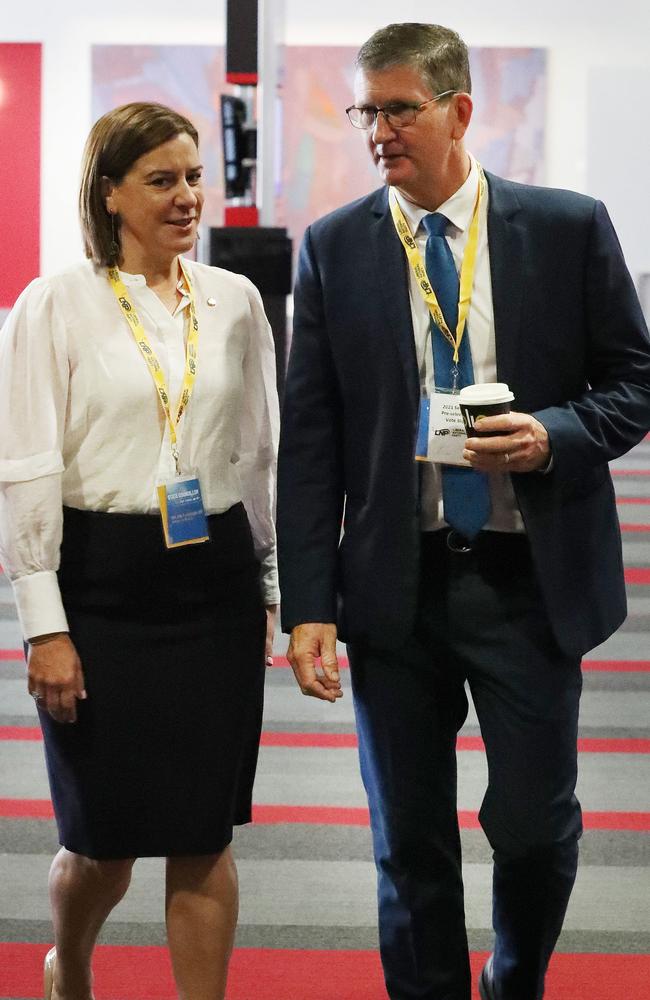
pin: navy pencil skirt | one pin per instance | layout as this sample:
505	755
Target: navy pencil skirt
162	758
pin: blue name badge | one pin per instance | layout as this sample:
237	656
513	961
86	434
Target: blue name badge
182	513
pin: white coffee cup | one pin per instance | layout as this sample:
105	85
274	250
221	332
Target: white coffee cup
485	399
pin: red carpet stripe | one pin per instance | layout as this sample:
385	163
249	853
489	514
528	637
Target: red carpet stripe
281	661
632	666
21	733
637	575
328	815
11	654
606	745
463	743
335	741
131	973
345	741
467	819
272	815
617	666
26	809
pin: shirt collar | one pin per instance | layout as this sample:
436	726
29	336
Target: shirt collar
458	209
133	280
139	281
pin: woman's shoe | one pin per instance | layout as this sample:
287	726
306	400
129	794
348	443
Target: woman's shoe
48	973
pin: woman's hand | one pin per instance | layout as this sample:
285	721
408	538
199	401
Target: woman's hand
55	677
270	633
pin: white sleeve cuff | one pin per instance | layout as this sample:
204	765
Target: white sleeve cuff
39	604
269	578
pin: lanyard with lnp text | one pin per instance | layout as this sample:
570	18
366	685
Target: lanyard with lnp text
466	272
121	294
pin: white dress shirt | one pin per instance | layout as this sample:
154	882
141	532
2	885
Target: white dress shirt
504	515
82	424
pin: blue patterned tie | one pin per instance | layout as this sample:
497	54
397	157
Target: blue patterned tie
465	492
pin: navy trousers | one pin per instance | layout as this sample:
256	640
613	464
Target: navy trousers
480	620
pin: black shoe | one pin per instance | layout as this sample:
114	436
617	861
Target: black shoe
486	982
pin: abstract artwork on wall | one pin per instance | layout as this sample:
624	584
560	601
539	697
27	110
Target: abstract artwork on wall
20	167
188	78
324	162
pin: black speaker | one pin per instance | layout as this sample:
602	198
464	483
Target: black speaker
241	41
263	254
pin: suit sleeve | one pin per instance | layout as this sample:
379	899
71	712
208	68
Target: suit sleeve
310	476
614	413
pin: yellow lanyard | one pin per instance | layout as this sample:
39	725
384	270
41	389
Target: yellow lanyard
121	294
466	272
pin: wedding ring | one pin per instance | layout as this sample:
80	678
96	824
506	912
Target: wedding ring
506	457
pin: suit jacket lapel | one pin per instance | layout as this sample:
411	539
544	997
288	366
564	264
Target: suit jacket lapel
392	290
507	265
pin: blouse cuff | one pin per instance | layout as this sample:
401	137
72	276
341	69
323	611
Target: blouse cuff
39	604
269	579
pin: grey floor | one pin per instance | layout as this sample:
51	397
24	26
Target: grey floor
302	884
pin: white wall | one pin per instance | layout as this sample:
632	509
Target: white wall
619	163
583	37
67	31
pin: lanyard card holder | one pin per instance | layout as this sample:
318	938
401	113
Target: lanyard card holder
445	430
181	509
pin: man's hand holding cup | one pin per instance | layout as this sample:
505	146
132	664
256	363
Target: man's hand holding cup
500	439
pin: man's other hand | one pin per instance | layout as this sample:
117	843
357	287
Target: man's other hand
310	641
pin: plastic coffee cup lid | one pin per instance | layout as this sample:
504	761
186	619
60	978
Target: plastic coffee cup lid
485	394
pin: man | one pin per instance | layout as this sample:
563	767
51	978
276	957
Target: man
499	566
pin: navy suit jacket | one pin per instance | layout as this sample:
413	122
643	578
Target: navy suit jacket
572	345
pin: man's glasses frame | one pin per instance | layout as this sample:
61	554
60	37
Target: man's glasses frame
396	115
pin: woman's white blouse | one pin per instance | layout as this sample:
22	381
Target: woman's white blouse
81	424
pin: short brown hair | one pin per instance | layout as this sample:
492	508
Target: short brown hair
438	54
116	141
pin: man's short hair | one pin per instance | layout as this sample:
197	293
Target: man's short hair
438	54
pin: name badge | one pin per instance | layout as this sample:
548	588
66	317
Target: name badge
447	434
181	509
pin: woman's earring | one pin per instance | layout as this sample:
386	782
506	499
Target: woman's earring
115	246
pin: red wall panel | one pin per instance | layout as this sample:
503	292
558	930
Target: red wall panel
20	167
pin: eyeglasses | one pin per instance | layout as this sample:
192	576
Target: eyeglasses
397	115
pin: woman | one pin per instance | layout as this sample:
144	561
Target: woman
123	382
